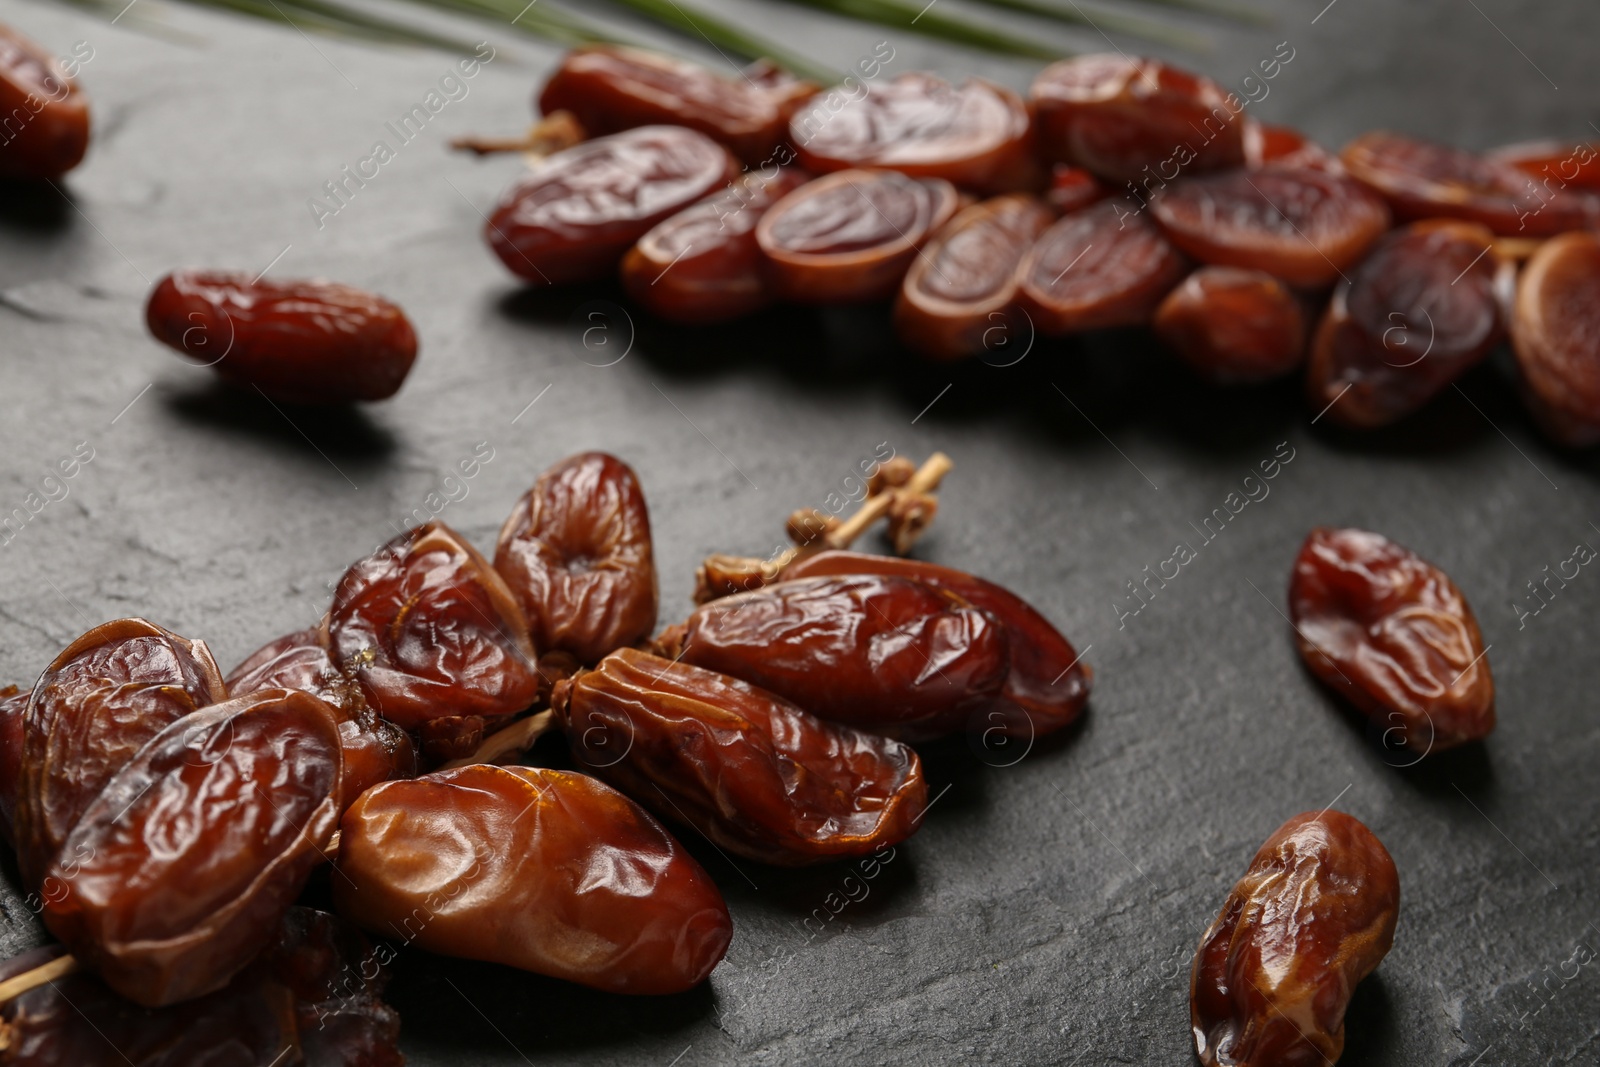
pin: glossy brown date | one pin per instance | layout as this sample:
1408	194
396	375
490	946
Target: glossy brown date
1563	163
301	342
549	871
180	871
375	750
1232	325
577	212
1422	179
879	652
577	555
1392	634
95	706
1304	226
1097	268
976	135
429	630
312	999
958	297
1555	330
1283	146
1072	188
749	770
1312	917
46	114
13	712
611	88
849	237
1048	681
1420	311
702	265
1126	119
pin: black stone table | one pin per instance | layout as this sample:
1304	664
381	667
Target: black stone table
1048	911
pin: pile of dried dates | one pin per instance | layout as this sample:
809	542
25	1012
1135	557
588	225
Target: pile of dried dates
166	817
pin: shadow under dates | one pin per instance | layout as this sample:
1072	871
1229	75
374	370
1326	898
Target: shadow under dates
34	207
1371	1030
342	431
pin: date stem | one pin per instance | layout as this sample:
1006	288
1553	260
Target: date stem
516	738
551	134
60	967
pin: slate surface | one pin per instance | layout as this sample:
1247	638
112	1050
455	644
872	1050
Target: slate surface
1048	911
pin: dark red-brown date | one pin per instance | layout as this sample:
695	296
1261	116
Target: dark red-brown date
1392	634
749	770
548	871
577	555
1555	331
1312	917
301	342
1232	325
46	115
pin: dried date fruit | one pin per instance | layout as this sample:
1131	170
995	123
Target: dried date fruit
46	114
1304	226
301	342
1129	119
576	553
849	237
958	297
1555	331
95	706
975	135
1047	682
312	999
879	652
1421	180
374	750
1564	163
1232	325
1283	146
752	772
1097	268
1392	634
1423	309
549	871
1312	917
13	710
1072	188
610	89
702	265
180	871
429	630
575	214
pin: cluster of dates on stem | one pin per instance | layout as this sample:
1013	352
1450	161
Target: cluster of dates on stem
167	817
1121	192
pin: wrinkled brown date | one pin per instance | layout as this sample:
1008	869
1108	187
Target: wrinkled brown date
312	999
1392	634
1047	682
375	750
549	871
1555	331
179	872
883	653
95	706
46	115
302	342
1313	915
1097	268
13	711
750	771
1233	325
576	553
428	630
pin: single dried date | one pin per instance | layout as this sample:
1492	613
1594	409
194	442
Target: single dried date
749	770
13	713
429	630
577	212
1047	682
1097	268
179	872
1555	330
95	706
1232	325
1312	917
576	553
301	342
611	88
46	115
549	871
1391	633
880	652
